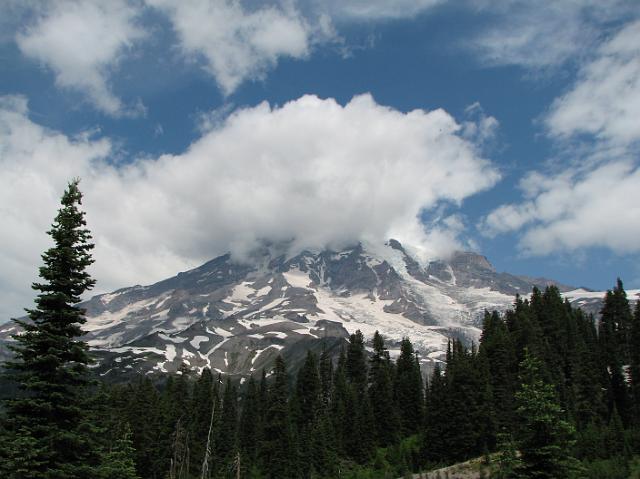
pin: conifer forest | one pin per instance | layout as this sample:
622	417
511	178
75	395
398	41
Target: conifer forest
548	392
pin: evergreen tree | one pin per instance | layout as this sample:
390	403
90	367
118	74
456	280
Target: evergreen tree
118	462
634	361
150	438
545	437
614	335
277	448
358	421
465	404
524	327
436	422
308	392
497	351
201	406
385	416
176	417
408	389
356	362
326	376
340	392
508	462
249	435
307	403
50	364
225	447
590	375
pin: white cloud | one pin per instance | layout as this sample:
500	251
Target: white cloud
605	99
539	35
570	211
82	42
593	200
235	43
312	171
375	10
479	127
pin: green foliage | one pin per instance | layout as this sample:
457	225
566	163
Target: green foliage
118	462
408	389
45	421
615	334
508	463
381	395
277	448
545	437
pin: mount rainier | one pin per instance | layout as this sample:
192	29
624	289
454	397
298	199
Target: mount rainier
235	317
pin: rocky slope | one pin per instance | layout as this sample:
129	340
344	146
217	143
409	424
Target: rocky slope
236	317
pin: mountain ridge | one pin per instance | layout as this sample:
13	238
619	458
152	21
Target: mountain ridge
235	317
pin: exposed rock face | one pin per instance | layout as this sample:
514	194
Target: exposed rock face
236	317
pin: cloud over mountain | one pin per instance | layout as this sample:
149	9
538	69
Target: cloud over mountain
311	171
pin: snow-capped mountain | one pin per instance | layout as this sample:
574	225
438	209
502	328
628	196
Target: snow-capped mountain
235	317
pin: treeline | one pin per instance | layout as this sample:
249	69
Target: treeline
547	380
544	381
324	422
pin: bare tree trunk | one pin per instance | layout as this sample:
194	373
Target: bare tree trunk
207	452
180	460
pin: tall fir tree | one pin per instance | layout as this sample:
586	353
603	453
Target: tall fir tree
225	446
385	412
202	402
50	364
356	362
497	351
465	404
358	428
614	336
250	429
339	395
306	406
545	437
634	361
590	375
118	462
408	389
436	424
277	448
326	376
149	434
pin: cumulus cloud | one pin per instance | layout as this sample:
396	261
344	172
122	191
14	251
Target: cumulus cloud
237	43
538	36
592	201
604	102
311	172
572	211
81	42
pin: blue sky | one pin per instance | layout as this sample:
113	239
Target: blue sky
200	127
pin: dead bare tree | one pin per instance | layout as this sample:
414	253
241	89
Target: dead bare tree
180	461
207	453
237	464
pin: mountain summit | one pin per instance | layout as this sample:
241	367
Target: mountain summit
235	317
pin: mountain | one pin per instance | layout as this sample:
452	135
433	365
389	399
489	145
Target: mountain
235	317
